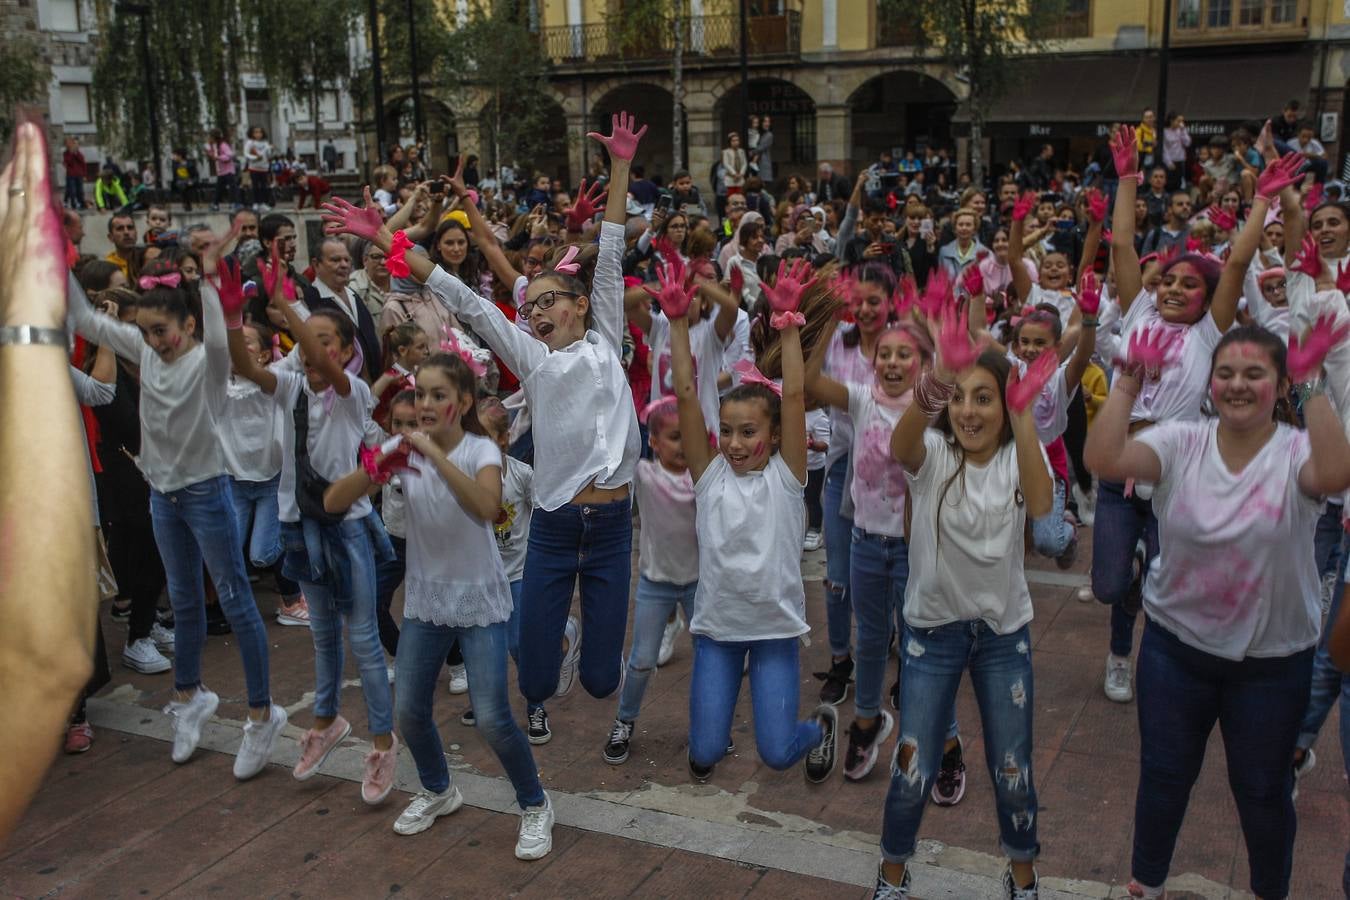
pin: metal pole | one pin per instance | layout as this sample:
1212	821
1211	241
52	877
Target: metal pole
143	13
416	80
1161	111
377	81
745	76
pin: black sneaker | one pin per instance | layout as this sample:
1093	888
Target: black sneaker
216	623
1013	892
819	762
884	890
895	695
467	718
699	773
616	751
950	785
835	689
864	745
538	731
120	613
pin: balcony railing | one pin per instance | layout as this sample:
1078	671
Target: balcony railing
704	37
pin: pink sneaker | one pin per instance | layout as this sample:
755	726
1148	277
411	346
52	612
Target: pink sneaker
379	778
316	746
79	738
296	613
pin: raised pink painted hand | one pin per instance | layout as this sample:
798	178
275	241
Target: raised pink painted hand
1022	390
1343	279
674	297
1277	176
972	279
1150	351
1306	356
1096	205
623	140
936	294
1089	294
906	296
737	280
1313	198
1308	260
957	350
341	217
785	295
1125	152
1221	219
230	287
586	206
1022	208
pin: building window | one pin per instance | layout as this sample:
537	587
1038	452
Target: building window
1188	14
1218	15
75	104
328	105
1283	12
63	15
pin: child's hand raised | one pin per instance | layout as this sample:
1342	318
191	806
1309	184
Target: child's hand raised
1306	356
1023	389
673	296
957	350
1150	351
785	295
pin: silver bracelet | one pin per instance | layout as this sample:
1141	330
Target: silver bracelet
1306	390
17	335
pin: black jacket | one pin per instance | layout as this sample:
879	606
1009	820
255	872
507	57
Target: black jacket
366	334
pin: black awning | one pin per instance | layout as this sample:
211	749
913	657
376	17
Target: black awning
1113	88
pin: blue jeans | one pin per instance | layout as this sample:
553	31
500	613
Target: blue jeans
1121	521
775	679
1327	540
878	571
75	192
327	614
838	546
594	542
422	650
195	524
1000	672
255	516
1258	704
1050	534
652	606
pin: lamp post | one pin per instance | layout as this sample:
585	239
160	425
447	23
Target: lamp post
1162	62
142	12
377	80
416	79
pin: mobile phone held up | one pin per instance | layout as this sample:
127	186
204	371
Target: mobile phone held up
664	202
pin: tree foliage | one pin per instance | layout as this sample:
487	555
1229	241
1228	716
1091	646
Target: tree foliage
23	79
980	38
195	57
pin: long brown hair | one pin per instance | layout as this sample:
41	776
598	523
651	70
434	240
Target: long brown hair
463	378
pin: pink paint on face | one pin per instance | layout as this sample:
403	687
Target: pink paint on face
177	341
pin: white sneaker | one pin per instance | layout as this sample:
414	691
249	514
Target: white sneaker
459	679
567	675
426	808
260	739
163	637
1303	768
1118	678
1085	594
673	629
812	540
143	656
188	719
536	831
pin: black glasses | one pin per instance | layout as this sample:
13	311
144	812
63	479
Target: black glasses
544	301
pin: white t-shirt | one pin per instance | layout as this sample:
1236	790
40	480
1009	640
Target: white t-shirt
878	488
974	569
750	530
394	508
1235	575
455	573
386	202
738	345
705	347
512	526
1061	300
847	365
334	437
251	431
668	539
818	429
1050	410
1181	389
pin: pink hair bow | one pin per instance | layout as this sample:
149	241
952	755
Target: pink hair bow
396	260
751	375
567	266
168	280
451	344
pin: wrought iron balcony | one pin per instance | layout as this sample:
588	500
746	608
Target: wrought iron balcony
705	37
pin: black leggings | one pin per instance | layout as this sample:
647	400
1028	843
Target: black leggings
1075	438
140	572
815	483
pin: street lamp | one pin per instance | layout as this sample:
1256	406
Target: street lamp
142	12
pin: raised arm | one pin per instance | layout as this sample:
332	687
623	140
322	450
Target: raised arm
1096	210
693	429
1327	470
1020	279
480	232
1274	179
227	287
1089	304
793	408
123	337
1123	255
607	285
1110	453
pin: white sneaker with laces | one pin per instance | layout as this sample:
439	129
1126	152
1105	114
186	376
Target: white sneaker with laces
536	831
459	679
1119	673
260	739
567	675
426	808
673	628
163	637
812	541
188	719
143	656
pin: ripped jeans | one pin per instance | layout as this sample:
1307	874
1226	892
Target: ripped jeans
1000	671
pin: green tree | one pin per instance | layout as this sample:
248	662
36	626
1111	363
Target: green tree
23	79
980	39
499	57
195	51
634	28
303	46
